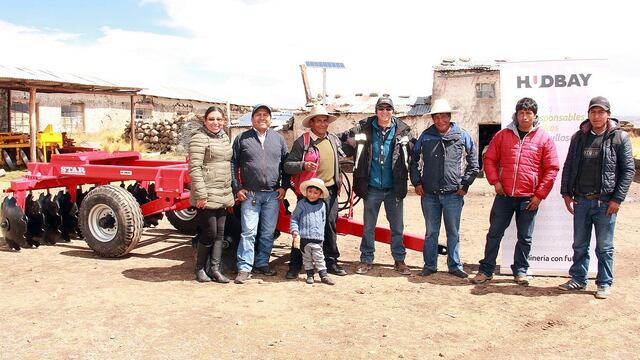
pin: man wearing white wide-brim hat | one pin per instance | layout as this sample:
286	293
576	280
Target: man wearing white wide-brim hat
442	185
315	154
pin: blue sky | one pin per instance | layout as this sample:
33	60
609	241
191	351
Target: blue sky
249	51
86	17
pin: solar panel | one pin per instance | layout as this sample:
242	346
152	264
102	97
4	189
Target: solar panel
324	64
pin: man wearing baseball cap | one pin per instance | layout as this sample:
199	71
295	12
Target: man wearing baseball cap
596	177
381	148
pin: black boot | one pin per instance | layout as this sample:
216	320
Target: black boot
217	276
216	257
202	253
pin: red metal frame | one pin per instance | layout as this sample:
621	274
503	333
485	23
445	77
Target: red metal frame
170	178
346	225
100	168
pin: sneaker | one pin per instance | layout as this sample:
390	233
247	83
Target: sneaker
336	269
264	270
242	277
603	292
459	273
402	268
481	278
426	272
571	285
327	280
363	268
521	279
310	280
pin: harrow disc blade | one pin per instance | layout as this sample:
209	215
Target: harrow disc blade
11	164
143	196
68	212
39	155
139	193
52	220
24	157
35	220
152	192
13	224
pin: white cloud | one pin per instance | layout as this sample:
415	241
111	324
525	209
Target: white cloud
249	51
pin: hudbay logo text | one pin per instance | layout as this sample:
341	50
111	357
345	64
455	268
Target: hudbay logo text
547	81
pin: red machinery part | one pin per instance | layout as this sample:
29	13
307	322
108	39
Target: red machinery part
114	229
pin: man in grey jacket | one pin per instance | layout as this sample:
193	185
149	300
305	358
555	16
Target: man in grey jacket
259	183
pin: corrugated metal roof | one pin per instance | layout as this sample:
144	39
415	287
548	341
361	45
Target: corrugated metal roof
460	65
179	93
366	104
280	120
421	107
35	77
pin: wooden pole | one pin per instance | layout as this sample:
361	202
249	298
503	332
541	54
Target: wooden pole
228	115
9	110
305	82
132	123
33	132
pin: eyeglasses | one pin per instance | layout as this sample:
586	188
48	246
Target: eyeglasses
215	119
384	109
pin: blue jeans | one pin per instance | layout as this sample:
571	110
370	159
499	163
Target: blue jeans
590	214
434	208
501	213
393	210
265	212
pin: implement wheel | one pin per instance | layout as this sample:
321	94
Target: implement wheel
184	220
111	221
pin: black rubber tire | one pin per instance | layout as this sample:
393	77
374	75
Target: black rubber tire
183	220
126	213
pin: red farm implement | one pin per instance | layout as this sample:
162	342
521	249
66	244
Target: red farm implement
111	217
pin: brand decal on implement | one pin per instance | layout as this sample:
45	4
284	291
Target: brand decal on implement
72	170
126	172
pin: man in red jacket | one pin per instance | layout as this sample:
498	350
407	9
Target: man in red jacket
521	163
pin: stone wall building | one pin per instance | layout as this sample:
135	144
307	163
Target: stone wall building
93	113
474	90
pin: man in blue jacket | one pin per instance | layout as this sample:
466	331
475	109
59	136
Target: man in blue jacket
596	177
259	182
442	184
381	148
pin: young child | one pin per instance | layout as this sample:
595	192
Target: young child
307	228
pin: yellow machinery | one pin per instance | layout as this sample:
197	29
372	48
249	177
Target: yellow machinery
14	147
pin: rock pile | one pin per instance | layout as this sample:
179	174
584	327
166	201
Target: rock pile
165	135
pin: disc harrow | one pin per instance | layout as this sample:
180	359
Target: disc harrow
111	228
111	217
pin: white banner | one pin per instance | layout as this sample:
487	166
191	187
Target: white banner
562	90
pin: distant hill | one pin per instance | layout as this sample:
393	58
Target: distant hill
634	119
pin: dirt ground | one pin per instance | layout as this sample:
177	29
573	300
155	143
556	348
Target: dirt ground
63	302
